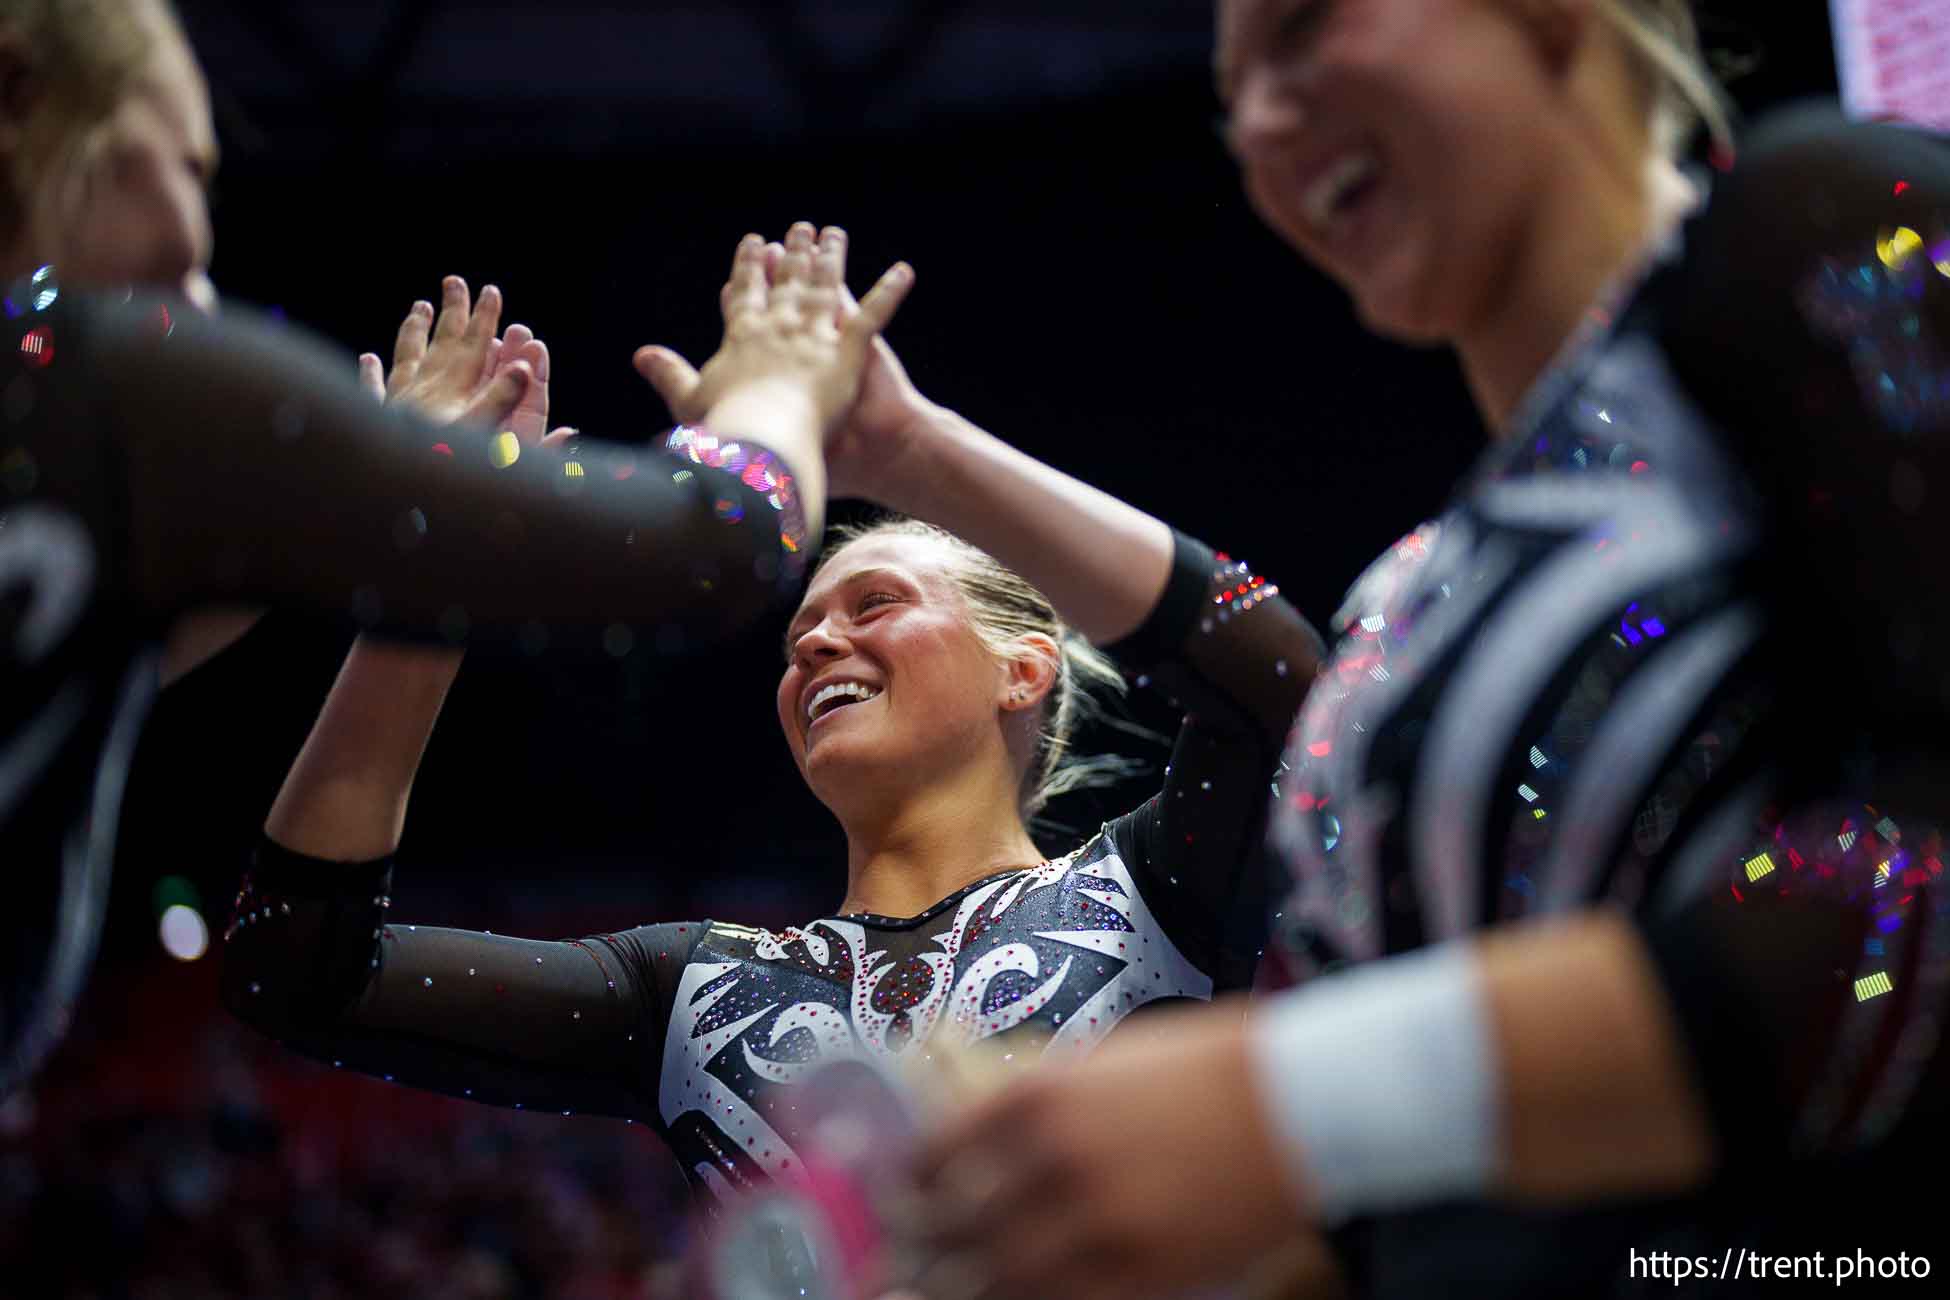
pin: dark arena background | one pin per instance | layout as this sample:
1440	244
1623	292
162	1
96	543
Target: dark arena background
1091	286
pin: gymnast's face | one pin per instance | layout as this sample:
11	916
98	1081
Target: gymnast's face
1392	143
917	690
126	202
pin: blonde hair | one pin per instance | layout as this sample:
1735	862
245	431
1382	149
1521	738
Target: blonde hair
86	54
1663	38
1003	607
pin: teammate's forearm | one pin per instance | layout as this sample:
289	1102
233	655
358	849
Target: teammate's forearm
345	797
1103	563
1597	1091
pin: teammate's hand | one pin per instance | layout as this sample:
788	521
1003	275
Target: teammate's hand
453	367
457	369
529	420
786	333
1145	1169
865	453
869	449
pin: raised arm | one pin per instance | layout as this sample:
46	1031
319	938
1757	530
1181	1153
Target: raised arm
1104	564
1121	577
345	797
781	365
309	957
234	462
230	461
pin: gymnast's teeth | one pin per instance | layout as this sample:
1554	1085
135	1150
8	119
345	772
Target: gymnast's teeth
1325	196
843	691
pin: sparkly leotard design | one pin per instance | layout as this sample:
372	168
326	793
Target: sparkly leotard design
1534	692
1054	957
1665	652
704	1028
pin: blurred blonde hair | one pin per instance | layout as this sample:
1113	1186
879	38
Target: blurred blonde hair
85	54
1663	38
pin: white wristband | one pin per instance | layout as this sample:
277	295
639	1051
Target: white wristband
1382	1084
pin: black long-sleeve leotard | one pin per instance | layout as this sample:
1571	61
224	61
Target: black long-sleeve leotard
702	1028
153	460
1677	646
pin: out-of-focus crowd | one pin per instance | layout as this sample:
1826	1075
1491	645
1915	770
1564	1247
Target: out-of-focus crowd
170	1154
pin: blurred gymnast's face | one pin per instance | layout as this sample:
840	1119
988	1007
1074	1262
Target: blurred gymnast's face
886	685
1392	143
125	203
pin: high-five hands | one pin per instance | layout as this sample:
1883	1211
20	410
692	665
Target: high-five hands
787	331
453	367
866	454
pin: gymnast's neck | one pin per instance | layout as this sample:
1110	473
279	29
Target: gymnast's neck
1616	197
907	852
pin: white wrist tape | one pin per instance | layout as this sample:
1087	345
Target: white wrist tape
1382	1084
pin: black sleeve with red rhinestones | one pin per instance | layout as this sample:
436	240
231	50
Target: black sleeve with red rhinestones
314	959
1226	647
